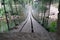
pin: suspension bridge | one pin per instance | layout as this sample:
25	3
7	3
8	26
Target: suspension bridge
20	23
29	28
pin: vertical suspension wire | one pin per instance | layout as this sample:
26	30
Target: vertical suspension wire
19	10
10	3
42	14
50	2
0	12
15	3
38	13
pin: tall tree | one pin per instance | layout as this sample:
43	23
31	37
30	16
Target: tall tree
58	24
47	3
3	3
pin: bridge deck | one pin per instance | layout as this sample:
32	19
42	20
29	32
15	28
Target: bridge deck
27	26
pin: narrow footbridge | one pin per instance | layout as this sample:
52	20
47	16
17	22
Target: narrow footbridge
30	29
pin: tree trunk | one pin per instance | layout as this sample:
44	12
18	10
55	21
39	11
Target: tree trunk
44	20
58	24
6	14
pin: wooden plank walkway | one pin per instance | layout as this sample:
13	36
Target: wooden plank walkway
39	33
19	36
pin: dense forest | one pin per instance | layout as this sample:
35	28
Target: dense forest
46	13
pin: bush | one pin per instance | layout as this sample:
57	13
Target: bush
52	27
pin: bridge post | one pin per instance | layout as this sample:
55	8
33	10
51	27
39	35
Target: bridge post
58	24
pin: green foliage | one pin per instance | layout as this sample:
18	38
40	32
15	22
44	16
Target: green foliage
56	1
12	10
43	8
52	27
6	1
23	1
1	12
47	1
3	26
